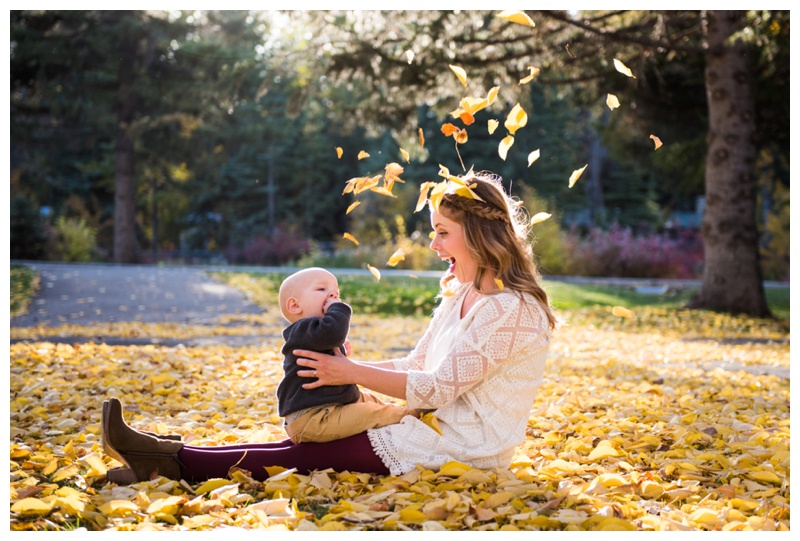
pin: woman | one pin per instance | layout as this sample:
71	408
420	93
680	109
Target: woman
478	365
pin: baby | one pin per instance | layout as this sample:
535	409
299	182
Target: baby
319	321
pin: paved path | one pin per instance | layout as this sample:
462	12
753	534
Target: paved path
80	294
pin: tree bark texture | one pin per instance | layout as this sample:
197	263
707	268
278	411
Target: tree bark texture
125	246
732	279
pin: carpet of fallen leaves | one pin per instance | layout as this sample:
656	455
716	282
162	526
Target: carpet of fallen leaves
650	423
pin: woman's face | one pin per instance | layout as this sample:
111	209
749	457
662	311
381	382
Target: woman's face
451	245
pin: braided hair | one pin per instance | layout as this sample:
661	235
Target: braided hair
496	229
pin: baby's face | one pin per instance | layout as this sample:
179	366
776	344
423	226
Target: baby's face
316	293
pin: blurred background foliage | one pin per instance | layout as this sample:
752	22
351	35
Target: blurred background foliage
234	118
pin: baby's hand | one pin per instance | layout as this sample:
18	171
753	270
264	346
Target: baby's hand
328	303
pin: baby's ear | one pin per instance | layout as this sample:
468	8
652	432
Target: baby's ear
292	306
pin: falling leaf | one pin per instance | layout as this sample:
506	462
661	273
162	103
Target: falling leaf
351	207
505	144
392	172
396	258
573	178
449	129
339	152
499	283
621	311
467	118
410	56
539	217
519	17
533	156
363	184
421	138
492	94
382	190
437	193
517	118
375	272
612	102
363	154
423	195
656	140
405	155
461	137
460	73
534	72
351	238
622	68
492	125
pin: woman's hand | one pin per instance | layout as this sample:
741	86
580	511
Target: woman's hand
328	369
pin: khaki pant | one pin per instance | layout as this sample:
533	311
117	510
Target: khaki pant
336	421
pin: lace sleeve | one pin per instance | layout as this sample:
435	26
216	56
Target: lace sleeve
503	329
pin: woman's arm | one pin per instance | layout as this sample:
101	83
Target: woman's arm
339	370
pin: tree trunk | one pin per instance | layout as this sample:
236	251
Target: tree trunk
732	280
125	246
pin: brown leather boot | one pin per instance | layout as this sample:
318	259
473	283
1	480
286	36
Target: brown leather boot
110	451
146	455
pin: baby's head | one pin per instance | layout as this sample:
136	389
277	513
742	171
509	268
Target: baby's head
307	293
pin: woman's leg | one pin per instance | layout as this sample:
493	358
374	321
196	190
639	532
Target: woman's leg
353	454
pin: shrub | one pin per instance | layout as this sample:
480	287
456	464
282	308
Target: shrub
281	247
75	240
617	252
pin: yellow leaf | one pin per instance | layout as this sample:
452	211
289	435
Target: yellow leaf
118	508
351	238
517	118
620	311
505	144
470	105
212	484
765	477
365	183
392	172
423	195
531	77
31	506
651	490
405	155
519	17
363	154
412	516
410	56
533	156
461	137
612	101
622	68
492	95
603	450
383	190
431	235
351	207
499	283
431	420
454	469
460	73
421	138
656	140
539	217
350	185
492	125
573	178
51	467
497	499
437	193
375	272
95	463
65	473
396	258
339	152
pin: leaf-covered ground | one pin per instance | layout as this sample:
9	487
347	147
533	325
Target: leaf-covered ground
670	421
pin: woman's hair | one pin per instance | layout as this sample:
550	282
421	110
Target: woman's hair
496	234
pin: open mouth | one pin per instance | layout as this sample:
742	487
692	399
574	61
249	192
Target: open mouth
452	266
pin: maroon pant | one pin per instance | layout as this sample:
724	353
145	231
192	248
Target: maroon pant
352	454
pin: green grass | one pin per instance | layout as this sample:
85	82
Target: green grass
24	286
394	295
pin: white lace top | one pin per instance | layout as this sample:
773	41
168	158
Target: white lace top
482	389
